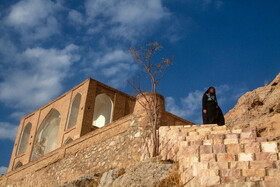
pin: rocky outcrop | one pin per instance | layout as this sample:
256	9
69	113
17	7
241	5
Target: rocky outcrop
259	108
148	173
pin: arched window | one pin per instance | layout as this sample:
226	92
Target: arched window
102	110
74	111
18	165
68	140
23	142
46	135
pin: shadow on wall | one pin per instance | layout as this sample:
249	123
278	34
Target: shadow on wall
46	136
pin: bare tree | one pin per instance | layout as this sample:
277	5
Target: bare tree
154	71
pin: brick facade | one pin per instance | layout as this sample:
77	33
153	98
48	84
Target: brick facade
93	150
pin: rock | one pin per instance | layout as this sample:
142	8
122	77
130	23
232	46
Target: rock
259	108
108	178
145	173
86	181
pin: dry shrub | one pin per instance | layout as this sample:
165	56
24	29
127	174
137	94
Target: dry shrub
173	179
120	172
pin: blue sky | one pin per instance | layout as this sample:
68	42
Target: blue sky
47	47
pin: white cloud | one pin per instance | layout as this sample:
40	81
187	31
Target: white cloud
126	19
173	108
3	170
8	51
17	115
34	19
189	107
192	102
112	58
39	78
8	131
75	17
113	67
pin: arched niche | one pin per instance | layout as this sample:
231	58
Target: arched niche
74	111
23	142
102	110
46	135
18	164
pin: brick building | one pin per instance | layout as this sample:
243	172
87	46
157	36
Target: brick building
86	107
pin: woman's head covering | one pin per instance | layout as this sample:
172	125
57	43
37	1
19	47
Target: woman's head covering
208	90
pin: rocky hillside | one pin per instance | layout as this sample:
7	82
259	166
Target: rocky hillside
259	108
152	172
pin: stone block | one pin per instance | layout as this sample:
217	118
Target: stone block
230	172
247	135
218	141
249	130
216	136
189	150
254	179
261	139
261	164
204	133
253	172
196	142
221	132
273	173
266	156
188	162
192	133
247	140
209	181
219	148
198	167
271	178
253	147
225	157
218	165
205	129
231	141
208	142
269	147
238	131
207	157
277	164
234	148
272	183
245	157
205	149
239	165
195	137
231	179
184	144
187	130
219	128
208	172
232	136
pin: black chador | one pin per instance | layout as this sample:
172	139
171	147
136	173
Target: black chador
211	114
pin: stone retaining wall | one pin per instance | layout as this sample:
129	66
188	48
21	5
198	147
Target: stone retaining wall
116	145
210	155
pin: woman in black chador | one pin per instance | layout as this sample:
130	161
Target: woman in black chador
212	114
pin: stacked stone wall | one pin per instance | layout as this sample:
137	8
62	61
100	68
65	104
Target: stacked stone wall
210	155
116	145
